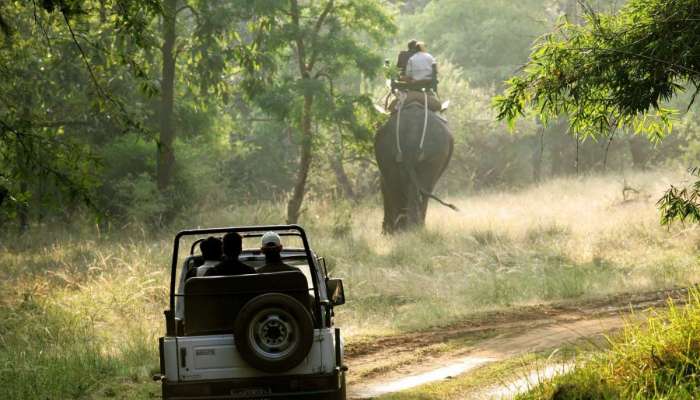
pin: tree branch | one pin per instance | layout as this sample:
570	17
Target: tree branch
100	91
317	30
84	57
5	28
298	39
188	7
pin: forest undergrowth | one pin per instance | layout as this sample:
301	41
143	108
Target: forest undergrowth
656	360
83	305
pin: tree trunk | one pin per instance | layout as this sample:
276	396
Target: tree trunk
336	161
23	209
640	150
3	194
166	153
294	205
103	11
23	204
537	157
560	148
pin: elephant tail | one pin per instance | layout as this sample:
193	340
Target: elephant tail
414	179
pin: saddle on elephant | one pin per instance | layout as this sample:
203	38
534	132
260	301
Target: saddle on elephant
403	99
416	92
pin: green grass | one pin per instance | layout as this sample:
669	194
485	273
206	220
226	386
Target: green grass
659	360
80	305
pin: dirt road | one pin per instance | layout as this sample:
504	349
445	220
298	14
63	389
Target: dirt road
390	364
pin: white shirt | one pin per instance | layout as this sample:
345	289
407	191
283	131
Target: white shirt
420	66
209	264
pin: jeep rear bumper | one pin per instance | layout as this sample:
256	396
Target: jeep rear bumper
301	386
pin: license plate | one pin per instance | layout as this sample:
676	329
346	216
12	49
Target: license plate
250	393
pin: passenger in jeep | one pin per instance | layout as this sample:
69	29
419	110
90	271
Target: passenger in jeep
231	265
272	248
211	249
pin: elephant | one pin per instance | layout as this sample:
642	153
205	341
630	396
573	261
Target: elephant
408	172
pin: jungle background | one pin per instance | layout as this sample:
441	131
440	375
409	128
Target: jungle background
124	121
102	121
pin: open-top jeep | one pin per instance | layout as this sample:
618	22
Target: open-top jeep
255	336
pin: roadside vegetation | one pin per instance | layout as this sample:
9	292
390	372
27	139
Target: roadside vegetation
83	304
656	360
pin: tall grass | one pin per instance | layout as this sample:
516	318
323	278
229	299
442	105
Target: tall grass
659	360
91	315
79	306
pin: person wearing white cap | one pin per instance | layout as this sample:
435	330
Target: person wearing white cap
272	248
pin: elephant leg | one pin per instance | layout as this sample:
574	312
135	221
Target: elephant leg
427	175
413	197
389	208
393	201
403	219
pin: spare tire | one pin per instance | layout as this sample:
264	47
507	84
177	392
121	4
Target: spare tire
273	332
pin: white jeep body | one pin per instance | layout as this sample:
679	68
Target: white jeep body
215	357
209	366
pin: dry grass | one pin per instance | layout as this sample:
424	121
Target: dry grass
79	306
564	239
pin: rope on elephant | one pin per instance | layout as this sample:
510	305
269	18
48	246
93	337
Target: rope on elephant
401	96
425	124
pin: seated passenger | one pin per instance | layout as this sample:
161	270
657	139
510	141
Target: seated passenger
420	66
231	265
272	248
211	253
404	56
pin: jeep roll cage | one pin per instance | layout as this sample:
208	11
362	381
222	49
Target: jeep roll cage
245	232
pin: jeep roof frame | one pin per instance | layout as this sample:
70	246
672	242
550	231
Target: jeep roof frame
283	230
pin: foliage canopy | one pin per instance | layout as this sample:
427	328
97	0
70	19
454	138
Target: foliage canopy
615	70
489	40
299	53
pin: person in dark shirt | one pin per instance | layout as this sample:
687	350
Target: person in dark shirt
406	55
211	253
231	265
272	248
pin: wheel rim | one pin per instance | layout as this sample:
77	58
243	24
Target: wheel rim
273	333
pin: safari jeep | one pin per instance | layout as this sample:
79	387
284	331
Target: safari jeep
256	336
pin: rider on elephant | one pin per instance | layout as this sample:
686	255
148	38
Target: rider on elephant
418	79
406	55
420	66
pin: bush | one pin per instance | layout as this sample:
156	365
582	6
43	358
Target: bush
656	361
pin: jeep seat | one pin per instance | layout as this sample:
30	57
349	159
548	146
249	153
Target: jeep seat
212	303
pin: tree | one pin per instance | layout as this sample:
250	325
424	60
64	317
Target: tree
44	158
166	153
488	39
298	49
202	54
79	75
617	70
